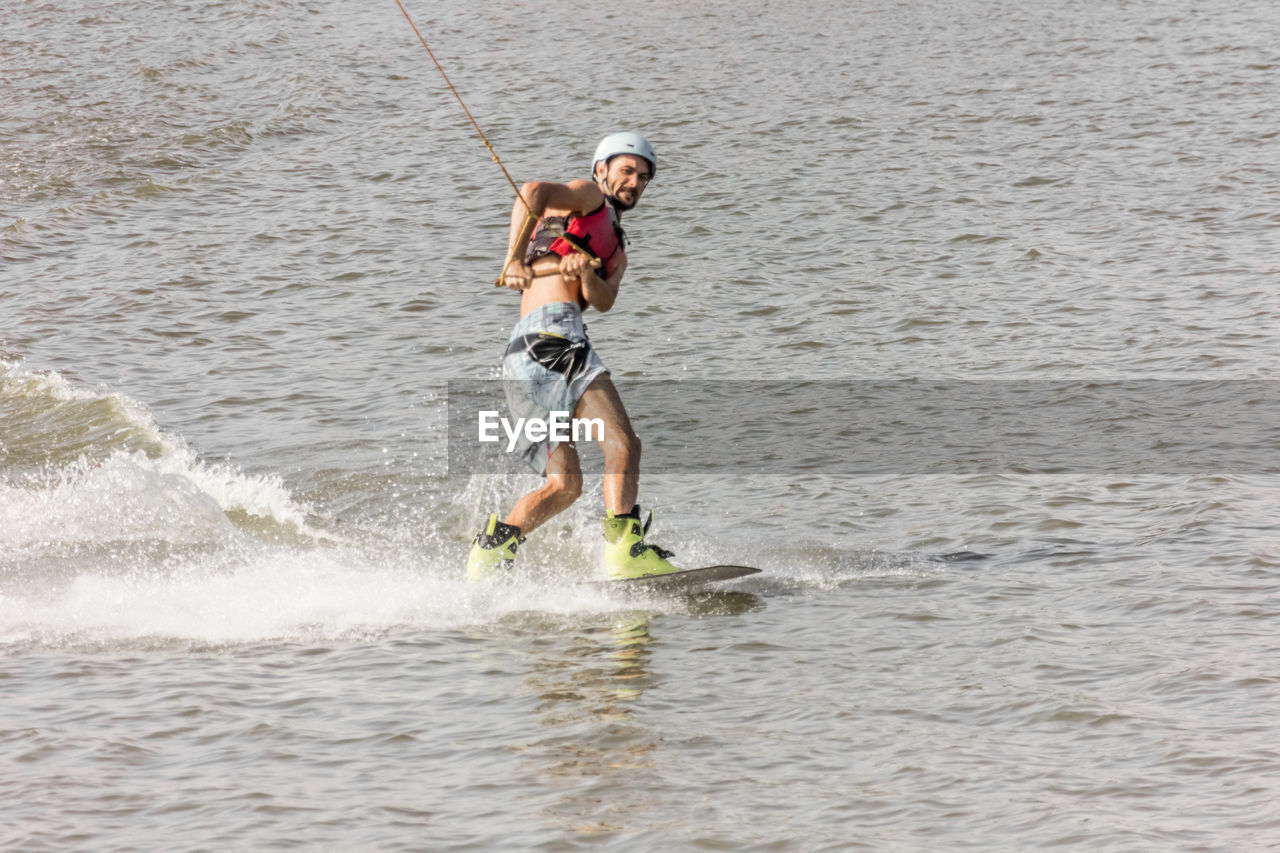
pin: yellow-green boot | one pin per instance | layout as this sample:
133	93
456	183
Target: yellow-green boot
626	554
494	550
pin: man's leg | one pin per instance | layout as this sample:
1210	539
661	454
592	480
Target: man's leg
562	487
621	445
494	549
626	553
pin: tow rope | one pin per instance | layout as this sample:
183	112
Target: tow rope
530	216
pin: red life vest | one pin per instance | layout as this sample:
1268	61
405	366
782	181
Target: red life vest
599	234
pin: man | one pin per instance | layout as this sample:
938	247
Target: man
573	259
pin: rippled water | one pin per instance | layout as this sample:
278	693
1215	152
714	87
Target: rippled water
1009	272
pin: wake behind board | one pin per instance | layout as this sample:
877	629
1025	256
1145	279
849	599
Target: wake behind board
686	581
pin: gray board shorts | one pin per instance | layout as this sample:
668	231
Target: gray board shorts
548	366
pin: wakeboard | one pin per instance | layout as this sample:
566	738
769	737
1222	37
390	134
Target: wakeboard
689	580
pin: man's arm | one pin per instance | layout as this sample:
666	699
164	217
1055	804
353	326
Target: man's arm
600	293
542	198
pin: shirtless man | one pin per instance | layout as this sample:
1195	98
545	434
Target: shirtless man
575	258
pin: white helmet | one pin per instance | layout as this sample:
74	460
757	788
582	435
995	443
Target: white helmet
625	143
